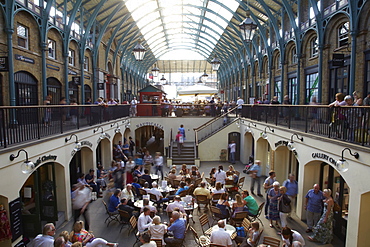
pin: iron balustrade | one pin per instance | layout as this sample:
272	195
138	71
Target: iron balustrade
20	124
347	123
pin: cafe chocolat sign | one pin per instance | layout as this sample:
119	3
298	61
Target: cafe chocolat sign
149	124
45	158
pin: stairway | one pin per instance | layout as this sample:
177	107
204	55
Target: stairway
187	154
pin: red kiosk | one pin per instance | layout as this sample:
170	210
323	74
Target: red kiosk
150	101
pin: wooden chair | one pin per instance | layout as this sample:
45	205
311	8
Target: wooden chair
237	173
158	242
133	223
273	242
258	239
257	216
246	223
216	212
111	216
229	185
142	181
125	218
203	219
142	192
197	240
239	217
191	190
176	183
202	199
209	181
197	182
215	198
241	183
183	193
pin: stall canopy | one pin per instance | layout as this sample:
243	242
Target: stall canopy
197	90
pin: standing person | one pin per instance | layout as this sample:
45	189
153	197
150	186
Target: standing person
131	146
255	172
179	141
63	101
213	107
313	206
240	103
81	197
133	107
367	100
47	114
158	163
220	175
283	206
291	186
274	195
182	131
323	232
45	239
73	112
232	147
267	185
148	161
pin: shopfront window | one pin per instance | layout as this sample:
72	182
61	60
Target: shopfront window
312	86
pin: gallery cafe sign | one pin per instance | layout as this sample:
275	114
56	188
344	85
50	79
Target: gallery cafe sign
324	157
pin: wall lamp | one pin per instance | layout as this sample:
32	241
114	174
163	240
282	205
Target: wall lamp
27	166
126	122
264	134
78	144
342	164
118	129
290	144
248	129
102	133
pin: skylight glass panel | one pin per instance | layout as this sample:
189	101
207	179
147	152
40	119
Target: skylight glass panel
155	37
147	20
153	32
146	29
143	10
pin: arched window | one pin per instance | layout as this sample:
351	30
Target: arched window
54	90
26	89
294	57
314	47
88	92
343	32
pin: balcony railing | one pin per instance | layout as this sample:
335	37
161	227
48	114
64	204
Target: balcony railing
350	124
20	124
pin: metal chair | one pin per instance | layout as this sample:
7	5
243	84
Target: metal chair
273	242
256	217
111	216
125	218
241	183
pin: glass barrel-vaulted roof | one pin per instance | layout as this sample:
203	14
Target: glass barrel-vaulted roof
181	25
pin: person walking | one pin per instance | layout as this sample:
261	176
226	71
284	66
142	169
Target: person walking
255	172
291	186
313	206
179	141
158	163
133	107
232	147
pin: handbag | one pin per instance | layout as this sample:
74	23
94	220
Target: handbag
336	207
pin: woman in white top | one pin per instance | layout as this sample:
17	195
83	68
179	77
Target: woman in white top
220	175
291	237
158	163
157	230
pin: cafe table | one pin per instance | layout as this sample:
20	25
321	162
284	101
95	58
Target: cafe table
228	228
155	177
140	203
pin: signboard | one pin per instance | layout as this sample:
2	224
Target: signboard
4	65
76	80
15	211
24	59
128	91
100	86
338	60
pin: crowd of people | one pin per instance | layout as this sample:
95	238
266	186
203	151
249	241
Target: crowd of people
176	196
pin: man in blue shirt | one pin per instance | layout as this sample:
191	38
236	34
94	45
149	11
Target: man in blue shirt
182	188
114	201
255	172
178	227
291	186
313	206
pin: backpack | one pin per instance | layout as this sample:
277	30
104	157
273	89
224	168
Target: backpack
240	231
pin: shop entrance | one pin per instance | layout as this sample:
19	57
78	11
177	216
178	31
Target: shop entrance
39	200
235	136
330	178
150	137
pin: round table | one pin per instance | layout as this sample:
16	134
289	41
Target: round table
140	203
155	177
228	228
166	190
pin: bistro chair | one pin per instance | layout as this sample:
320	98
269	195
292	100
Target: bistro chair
216	213
257	216
197	240
216	245
111	216
203	219
273	242
241	183
158	242
125	218
215	198
202	199
133	222
239	217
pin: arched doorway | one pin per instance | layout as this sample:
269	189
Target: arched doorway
248	147
265	155
1	95
54	88
39	198
73	91
26	89
234	136
150	137
88	94
285	162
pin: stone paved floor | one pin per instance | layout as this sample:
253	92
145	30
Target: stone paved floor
112	234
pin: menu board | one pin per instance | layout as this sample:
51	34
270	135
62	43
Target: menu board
15	211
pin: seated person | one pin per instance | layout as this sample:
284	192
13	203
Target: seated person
224	206
146	187
128	194
136	186
130	210
137	172
175	204
252	236
182	188
114	201
202	190
178	227
146	205
144	220
238	205
172	176
145	240
184	171
147	177
157	229
89	178
100	174
250	202
158	194
195	171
